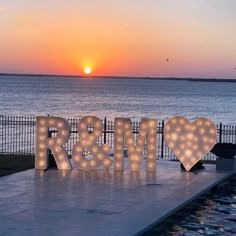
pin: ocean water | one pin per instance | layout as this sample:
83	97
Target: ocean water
113	97
212	214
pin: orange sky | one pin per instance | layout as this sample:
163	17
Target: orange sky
131	38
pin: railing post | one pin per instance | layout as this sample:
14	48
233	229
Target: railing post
162	139
105	131
220	133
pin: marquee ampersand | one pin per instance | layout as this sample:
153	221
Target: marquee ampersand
88	140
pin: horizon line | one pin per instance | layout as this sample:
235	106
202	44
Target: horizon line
116	76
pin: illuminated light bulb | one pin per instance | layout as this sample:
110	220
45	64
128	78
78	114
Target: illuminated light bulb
187	166
42	145
89	120
95	149
136	158
61	157
131	149
206	148
93	163
42	138
202	131
174	136
50	142
52	122
211	140
60	124
57	149
152	140
77	158
82	125
194	128
187	127
41	163
207	123
190	136
140	142
126	126
119	139
152	124
98	124
142	133
119	131
178	129
83	164
205	139
173	121
84	143
84	135
199	122
139	150
43	122
150	165
152	132
130	141
212	131
107	162
79	149
64	132
150	156
199	154
182	121
100	156
59	140
42	129
64	165
167	136
106	148
41	154
182	146
118	164
119	155
151	147
188	153
177	152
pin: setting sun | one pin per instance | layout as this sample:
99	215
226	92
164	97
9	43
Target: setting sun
87	70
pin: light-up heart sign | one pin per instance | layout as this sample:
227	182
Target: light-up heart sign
190	142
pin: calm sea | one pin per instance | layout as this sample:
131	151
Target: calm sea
113	97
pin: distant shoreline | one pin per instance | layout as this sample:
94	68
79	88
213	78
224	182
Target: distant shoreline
123	77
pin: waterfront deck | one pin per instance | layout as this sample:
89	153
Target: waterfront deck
98	203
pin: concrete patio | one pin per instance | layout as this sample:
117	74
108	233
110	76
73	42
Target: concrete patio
98	202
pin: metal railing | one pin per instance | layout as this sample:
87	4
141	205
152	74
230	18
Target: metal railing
17	136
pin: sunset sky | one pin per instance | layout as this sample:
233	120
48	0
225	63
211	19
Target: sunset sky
125	37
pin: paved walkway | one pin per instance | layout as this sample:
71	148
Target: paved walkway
97	202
